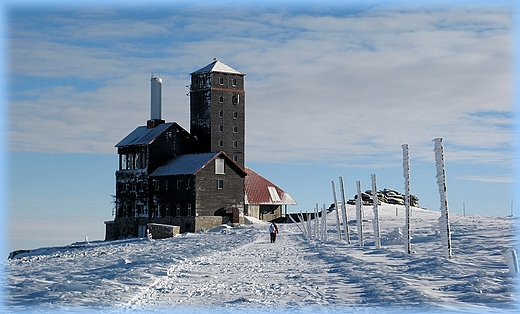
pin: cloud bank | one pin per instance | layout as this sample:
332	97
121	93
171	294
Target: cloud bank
348	84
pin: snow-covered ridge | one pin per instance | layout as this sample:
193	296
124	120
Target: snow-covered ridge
233	269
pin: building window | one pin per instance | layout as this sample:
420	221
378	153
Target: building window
235	158
220	184
236	100
219	166
188	184
221	114
235	129
179	183
167	185
235	144
221	80
156	185
189	210
221	99
235	115
234	81
178	210
220	128
220	143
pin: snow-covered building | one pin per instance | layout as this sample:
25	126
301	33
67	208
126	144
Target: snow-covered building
192	179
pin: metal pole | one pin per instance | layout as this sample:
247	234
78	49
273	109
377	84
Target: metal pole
338	227
344	210
406	174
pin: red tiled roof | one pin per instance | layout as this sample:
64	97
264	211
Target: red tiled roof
260	191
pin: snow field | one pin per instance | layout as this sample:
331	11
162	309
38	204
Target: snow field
230	269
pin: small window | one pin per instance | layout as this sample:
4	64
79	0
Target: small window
189	210
123	162
236	100
167	185
235	144
179	184
221	114
234	81
188	184
219	166
235	115
220	184
235	129
220	128
178	210
221	80
221	99
235	158
221	143
156	185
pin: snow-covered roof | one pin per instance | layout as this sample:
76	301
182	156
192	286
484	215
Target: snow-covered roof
217	66
188	164
143	135
260	191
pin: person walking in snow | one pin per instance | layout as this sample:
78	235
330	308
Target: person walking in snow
273	230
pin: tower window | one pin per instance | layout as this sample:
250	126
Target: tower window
221	114
221	128
235	158
221	99
234	82
235	144
221	143
236	99
189	210
220	184
178	210
235	115
221	81
235	129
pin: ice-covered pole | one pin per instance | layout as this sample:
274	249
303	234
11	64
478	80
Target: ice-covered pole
324	216
444	220
338	227
344	210
359	213
408	216
377	234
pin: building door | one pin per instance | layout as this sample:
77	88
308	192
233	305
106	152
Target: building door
141	231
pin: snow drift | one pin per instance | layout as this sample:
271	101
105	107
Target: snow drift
237	269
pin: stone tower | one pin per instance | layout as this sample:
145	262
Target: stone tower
217	110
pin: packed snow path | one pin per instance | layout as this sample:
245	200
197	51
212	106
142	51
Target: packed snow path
237	268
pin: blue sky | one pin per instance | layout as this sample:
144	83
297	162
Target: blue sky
331	90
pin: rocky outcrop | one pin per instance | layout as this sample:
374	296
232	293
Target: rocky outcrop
388	196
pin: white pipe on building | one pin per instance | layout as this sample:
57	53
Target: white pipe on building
156	98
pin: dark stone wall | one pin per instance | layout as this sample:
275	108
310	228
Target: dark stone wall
210	199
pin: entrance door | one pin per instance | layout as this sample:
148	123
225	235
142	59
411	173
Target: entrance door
141	231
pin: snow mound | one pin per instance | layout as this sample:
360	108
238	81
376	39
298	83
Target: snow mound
248	220
221	228
237	270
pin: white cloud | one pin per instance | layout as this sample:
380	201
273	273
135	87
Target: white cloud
324	86
487	179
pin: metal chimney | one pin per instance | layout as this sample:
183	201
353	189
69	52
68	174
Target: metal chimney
156	98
